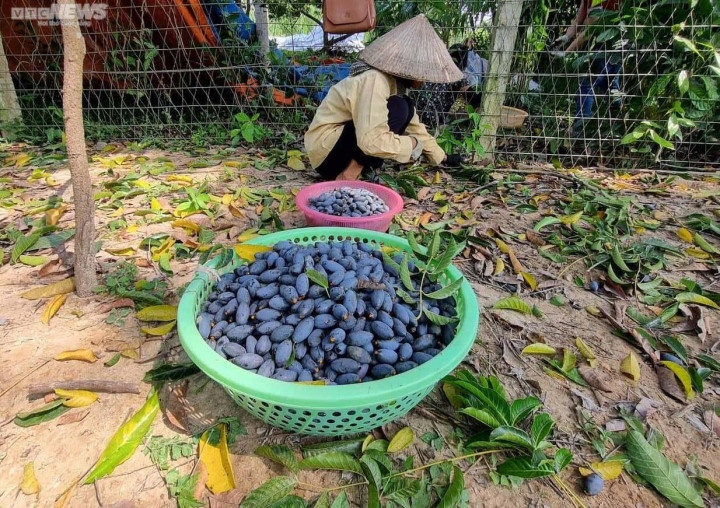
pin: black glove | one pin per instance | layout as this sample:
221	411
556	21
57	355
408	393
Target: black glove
454	160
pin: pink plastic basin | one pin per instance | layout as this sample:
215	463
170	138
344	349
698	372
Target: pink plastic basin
380	222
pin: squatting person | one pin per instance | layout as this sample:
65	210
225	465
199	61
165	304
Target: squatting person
367	117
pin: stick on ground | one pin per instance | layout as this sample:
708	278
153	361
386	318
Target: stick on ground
94	385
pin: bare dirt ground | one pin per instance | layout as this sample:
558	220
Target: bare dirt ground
62	451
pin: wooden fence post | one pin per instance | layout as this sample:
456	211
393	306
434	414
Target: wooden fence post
502	45
262	25
9	105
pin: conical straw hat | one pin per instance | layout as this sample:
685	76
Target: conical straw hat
412	50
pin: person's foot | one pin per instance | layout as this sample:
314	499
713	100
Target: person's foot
351	172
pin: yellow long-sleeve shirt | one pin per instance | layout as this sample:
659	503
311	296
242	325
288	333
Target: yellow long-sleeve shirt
362	99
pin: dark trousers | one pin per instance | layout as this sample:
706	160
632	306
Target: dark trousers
604	76
401	109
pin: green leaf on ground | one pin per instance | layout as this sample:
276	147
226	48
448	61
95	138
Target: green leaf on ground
126	439
666	476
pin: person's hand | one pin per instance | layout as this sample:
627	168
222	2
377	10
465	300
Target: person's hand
414	141
453	160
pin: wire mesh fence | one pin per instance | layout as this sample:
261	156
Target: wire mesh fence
625	83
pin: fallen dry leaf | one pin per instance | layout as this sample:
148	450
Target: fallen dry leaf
84	355
57	288
29	483
425	218
52	307
117	304
177	407
217	461
534	238
72	417
669	383
596	379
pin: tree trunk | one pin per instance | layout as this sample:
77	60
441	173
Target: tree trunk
9	105
502	44
262	25
74	55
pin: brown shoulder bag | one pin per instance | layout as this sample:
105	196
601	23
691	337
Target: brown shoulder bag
348	16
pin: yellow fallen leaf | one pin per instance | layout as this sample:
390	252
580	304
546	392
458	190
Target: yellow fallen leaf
685	235
52	307
164	247
368	439
401	440
246	235
121	251
530	279
593	311
142	184
499	266
158	330
217	461
52	216
235	211
84	355
118	213
506	249
437	179
569	360
29	483
130	353
569	220
608	470
56	288
76	398
630	367
179	178
697	253
185	224
20	160
538	349
295	163
155	205
158	313
247	252
683	376
585	351
134	228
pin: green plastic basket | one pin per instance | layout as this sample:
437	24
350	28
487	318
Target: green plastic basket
326	410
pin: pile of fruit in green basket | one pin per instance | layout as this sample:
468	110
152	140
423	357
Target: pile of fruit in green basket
342	312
